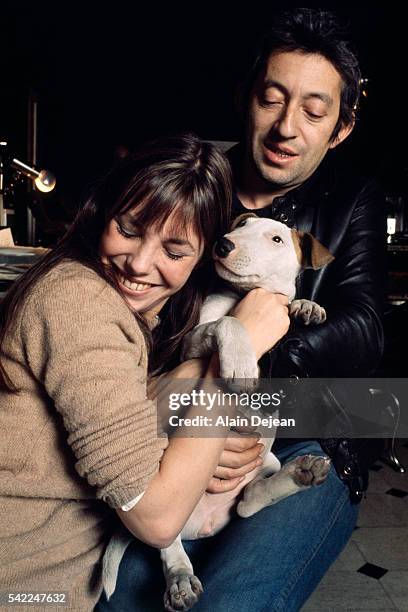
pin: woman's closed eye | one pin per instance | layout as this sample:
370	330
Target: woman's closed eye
125	232
174	256
171	246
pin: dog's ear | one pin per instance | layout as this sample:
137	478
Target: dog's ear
310	252
241	218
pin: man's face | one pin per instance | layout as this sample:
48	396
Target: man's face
293	110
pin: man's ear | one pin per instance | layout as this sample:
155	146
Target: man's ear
241	218
310	252
344	132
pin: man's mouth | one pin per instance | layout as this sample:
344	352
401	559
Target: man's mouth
283	152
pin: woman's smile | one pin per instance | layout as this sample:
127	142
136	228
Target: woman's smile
152	263
135	286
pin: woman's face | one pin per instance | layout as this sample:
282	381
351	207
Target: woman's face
151	263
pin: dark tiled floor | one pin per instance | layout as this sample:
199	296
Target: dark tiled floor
372	572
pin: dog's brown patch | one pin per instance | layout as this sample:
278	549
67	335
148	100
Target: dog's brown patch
241	218
309	251
296	242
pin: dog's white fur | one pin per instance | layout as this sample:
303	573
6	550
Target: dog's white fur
270	255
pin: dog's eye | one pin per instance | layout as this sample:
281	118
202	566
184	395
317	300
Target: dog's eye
241	223
277	239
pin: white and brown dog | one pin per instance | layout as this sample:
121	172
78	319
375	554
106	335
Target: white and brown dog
257	252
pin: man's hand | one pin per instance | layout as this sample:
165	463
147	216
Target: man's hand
240	456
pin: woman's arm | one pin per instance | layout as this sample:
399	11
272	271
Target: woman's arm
188	463
185	470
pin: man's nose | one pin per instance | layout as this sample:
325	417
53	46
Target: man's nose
224	247
286	123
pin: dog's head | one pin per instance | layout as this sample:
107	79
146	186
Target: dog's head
260	252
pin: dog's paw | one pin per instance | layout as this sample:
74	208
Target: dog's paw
254	499
307	311
183	591
309	470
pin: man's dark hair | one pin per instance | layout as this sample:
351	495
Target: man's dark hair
311	31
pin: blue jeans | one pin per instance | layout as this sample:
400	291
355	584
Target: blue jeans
269	562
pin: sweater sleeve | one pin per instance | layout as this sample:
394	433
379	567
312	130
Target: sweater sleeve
86	349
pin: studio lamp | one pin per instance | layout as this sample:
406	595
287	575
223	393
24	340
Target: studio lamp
44	180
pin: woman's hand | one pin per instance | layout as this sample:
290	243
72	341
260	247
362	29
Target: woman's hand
265	317
240	456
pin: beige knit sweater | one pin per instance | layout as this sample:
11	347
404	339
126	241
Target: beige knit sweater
79	439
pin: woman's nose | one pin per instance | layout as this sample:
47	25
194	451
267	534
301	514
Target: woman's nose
142	259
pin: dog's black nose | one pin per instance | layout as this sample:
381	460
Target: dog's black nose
224	247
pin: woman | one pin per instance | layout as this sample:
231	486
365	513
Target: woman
79	436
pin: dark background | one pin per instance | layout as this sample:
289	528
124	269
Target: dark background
107	75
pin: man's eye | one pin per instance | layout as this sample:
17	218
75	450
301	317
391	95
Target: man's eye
314	116
277	239
271	102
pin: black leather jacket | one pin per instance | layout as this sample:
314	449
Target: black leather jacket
346	213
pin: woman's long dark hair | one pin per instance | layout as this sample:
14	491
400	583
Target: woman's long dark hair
171	173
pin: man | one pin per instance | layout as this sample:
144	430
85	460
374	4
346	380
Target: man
298	105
